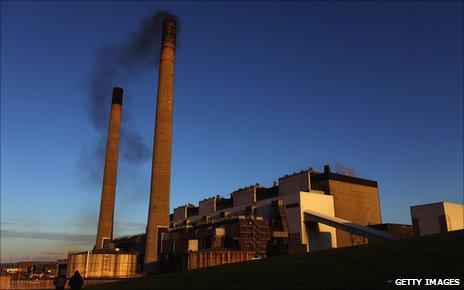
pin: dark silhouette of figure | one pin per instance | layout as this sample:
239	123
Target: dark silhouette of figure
76	282
60	282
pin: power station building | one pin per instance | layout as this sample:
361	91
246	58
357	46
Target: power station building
347	197
304	211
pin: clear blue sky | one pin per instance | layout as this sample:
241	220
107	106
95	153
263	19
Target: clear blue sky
262	89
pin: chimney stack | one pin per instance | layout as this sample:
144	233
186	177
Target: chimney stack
327	168
158	211
105	221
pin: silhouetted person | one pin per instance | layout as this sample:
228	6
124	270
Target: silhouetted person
76	282
60	282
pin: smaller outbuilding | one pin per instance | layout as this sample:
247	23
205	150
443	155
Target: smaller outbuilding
436	218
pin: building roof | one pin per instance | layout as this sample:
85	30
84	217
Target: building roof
437	203
316	177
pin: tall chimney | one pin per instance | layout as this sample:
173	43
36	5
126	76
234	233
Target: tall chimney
105	221
158	211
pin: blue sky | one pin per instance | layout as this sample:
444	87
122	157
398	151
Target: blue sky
262	89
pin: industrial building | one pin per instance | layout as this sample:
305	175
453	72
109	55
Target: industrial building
434	218
347	197
102	264
304	211
257	222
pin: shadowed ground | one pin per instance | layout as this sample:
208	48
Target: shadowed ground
361	267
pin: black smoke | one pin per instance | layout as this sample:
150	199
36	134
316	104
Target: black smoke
345	170
115	65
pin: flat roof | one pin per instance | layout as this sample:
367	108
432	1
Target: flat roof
436	203
315	177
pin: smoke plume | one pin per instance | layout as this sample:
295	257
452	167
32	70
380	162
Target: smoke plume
115	65
344	170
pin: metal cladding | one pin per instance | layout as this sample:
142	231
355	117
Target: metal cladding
158	211
105	221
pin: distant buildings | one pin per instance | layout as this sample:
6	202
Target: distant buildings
27	274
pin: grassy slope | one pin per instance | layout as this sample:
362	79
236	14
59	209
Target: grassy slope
361	267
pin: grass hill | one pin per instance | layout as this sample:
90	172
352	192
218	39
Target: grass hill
369	266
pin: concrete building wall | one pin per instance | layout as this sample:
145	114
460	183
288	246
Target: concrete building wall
180	213
426	218
356	203
294	220
207	206
102	265
202	259
436	218
295	183
398	230
318	236
262	208
245	196
77	262
454	213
